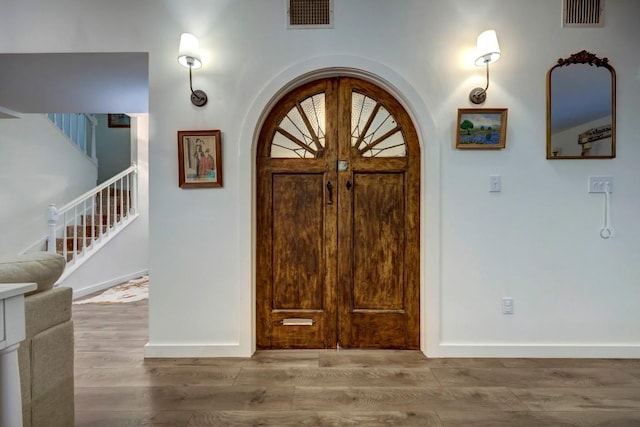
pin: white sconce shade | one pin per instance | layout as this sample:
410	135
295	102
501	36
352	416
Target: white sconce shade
189	52
487	48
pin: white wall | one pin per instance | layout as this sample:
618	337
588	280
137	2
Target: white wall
113	148
536	241
38	166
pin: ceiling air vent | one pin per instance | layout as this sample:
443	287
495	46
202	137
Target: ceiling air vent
309	13
582	13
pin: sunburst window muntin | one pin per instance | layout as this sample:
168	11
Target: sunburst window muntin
374	130
301	132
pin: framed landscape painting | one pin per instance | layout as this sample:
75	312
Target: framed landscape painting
481	128
199	158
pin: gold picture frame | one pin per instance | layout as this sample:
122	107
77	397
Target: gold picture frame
481	128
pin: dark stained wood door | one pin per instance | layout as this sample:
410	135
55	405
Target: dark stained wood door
338	178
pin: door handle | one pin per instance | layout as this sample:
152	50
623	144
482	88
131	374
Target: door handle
330	190
348	185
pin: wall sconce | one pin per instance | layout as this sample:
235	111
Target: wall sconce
487	51
189	56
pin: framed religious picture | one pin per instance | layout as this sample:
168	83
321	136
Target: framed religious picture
481	128
199	158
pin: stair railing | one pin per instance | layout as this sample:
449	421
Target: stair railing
88	222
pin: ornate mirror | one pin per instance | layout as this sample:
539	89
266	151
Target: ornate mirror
581	108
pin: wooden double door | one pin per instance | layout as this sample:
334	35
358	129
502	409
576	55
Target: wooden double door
338	230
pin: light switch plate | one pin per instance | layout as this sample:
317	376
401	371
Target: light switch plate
598	184
495	184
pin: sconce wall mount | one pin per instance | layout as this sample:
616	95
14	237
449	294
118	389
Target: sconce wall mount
487	51
189	56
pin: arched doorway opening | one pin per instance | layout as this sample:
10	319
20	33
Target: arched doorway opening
338	220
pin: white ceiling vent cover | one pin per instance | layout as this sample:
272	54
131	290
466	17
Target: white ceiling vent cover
309	13
582	13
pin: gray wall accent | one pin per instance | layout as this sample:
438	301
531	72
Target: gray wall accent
113	149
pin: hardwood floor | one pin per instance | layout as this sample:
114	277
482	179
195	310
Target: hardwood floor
115	386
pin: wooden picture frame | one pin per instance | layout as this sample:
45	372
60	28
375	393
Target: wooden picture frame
199	158
481	128
118	121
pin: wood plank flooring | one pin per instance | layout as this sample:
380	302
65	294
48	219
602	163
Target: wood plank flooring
115	386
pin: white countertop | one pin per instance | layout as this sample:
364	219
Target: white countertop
8	290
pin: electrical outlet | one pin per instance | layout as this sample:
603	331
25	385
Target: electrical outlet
507	305
598	184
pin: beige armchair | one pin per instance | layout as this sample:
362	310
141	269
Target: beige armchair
46	355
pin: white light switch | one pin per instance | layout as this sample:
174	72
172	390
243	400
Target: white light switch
495	184
507	305
600	184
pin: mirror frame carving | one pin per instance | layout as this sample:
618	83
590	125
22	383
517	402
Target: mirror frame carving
583	57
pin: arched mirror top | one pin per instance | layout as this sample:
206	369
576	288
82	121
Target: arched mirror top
581	112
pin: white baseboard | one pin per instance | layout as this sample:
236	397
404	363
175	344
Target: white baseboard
604	351
187	351
79	293
600	351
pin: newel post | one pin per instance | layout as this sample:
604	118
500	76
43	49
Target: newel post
134	190
52	222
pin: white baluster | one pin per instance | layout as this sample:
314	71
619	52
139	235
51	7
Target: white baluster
93	140
128	199
121	207
65	250
99	215
53	219
75	232
83	234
